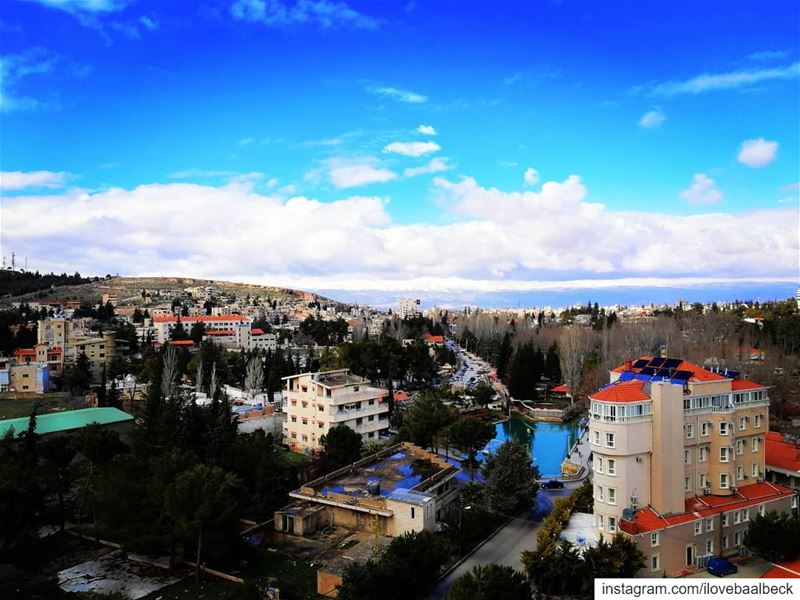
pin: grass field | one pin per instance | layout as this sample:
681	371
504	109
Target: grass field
22	407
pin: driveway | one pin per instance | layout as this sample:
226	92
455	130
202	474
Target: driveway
506	547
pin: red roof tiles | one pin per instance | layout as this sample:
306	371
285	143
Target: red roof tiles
737	385
701	507
780	454
220	332
626	391
698	372
786	569
199	318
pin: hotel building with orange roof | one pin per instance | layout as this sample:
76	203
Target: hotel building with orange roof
678	459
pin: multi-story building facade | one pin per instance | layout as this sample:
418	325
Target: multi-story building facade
315	402
23	376
678	460
164	324
783	459
408	308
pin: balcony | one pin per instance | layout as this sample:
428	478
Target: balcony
338	414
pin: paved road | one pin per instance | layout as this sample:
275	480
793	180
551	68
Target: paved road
506	547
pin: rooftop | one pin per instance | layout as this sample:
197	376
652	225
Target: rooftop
782	452
786	569
66	420
198	318
676	370
701	507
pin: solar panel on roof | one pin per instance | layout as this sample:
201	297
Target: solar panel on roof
649	371
640	363
682	375
671	363
657	362
664	372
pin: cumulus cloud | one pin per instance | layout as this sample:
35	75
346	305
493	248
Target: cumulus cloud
709	82
20	180
531	176
491	238
426	130
652	119
398	94
702	190
282	13
436	165
757	153
412	148
348	173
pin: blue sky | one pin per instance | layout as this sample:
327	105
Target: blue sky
404	145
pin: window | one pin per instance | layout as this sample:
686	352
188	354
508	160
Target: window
737	538
305	421
612	466
412	512
305	438
742	423
737	518
690	431
723	428
371	403
294	435
687	483
746	514
612	524
739	472
305	404
612	495
598	464
724	454
757	421
600	521
654	561
724	541
724	481
703	453
724	519
599	493
371	434
609	440
698	527
755	444
704	428
709	525
740	444
596	438
321	424
703	480
709	546
320	407
761	509
794	501
655	539
754	470
294	419
687	457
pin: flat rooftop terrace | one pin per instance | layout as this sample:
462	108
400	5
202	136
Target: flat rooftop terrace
403	467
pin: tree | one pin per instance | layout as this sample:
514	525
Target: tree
197	332
491	582
504	357
78	377
483	393
57	454
470	436
203	500
510	479
427	417
619	558
169	371
774	536
571	349
341	447
254	376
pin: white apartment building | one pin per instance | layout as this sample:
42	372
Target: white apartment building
678	460
164	324
408	308
315	402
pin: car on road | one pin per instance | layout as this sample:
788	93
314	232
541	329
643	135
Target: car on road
721	566
553	484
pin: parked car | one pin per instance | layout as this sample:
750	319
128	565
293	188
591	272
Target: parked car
721	566
553	484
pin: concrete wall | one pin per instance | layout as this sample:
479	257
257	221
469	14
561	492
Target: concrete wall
666	484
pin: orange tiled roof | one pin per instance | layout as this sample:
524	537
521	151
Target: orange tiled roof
701	507
433	339
220	332
560	389
625	391
25	352
698	372
786	569
780	454
737	385
257	331
181	343
198	318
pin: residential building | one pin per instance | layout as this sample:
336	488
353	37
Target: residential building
678	460
24	376
783	459
408	308
164	324
112	299
315	402
400	489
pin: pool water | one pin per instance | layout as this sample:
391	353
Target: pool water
548	442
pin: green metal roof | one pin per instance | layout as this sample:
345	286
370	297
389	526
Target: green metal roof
66	420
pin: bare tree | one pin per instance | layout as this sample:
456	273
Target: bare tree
571	349
254	376
212	384
170	372
198	384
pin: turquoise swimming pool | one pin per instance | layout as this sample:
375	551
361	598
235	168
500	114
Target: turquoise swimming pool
549	442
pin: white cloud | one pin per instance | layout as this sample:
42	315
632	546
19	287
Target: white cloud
652	119
412	148
436	165
426	130
19	180
357	172
283	13
14	68
531	176
490	240
709	82
85	6
757	153
702	190
148	23
768	55
399	95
